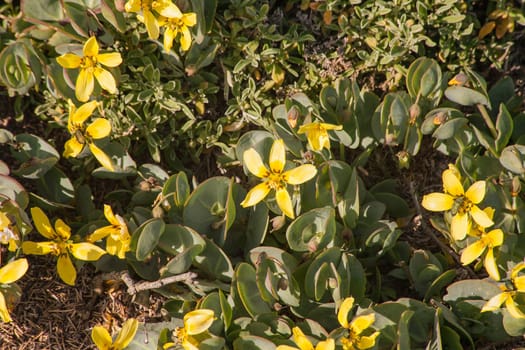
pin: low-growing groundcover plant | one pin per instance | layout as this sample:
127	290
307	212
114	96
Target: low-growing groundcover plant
294	235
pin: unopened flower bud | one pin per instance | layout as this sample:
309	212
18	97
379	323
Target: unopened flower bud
415	112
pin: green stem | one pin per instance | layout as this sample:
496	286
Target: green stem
487	119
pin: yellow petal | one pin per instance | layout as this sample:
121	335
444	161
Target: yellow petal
480	217
126	334
300	175
185	38
169	36
133	6
102	157
100	233
108	213
83	112
100	128
167	9
152	26
437	201
328	344
72	148
366	342
4	221
91	47
495	302
495	238
459	226
284	202
41	221
87	251
4	313
344	310
519	283
451	183
327	126
13	271
472	252
516	270
63	231
188	345
39	248
197	321
101	338
84	85
491	266
66	269
301	340
110	59
106	80
277	156
476	192
189	19
69	60
513	309
254	163
360	323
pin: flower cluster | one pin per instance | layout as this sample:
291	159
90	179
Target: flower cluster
163	13
467	218
60	245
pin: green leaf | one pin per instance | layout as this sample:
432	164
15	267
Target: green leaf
55	186
312	230
44	10
504	127
319	271
439	283
177	189
148	334
37	155
147	237
252	342
112	15
205	10
465	96
512	158
214	262
403	331
246	285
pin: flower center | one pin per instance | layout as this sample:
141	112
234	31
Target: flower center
88	62
276	180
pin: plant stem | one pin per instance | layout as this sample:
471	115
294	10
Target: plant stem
487	119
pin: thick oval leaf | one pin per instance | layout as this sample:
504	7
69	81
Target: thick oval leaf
312	230
147	237
246	285
465	96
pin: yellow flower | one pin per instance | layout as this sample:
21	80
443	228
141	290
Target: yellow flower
90	68
103	341
60	245
7	235
82	135
195	322
274	178
176	25
462	204
487	242
118	238
304	343
517	283
162	7
358	325
317	134
10	273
